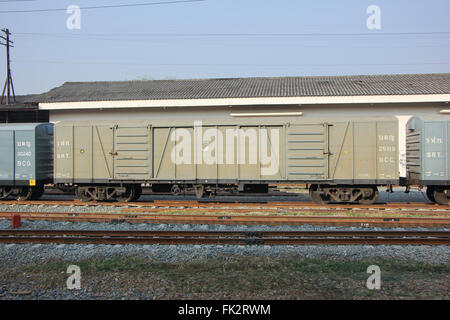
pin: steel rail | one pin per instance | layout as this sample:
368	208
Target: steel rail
432	222
226	238
254	234
236	204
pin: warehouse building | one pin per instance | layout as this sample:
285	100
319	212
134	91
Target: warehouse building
319	97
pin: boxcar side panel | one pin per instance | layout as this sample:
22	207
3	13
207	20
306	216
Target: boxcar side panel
228	170
132	152
307	149
365	140
272	153
248	160
182	154
64	154
163	167
364	152
341	151
386	151
7	158
434	151
103	168
25	147
82	153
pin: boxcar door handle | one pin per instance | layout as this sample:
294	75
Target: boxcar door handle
113	153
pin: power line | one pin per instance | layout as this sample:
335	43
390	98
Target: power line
206	42
105	6
115	35
230	64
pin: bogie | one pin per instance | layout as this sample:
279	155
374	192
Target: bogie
125	193
343	194
5	192
21	193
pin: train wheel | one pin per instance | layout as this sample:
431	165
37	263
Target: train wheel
83	196
370	199
138	193
175	190
317	196
5	192
24	194
441	196
129	194
430	194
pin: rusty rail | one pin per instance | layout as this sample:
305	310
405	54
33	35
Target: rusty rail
227	238
431	222
236	204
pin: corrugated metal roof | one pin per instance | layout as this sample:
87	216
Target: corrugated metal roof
322	86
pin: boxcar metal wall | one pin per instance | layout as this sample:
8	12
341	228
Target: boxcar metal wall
26	154
237	150
364	151
428	145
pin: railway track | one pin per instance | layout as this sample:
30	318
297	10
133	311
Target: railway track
430	222
227	237
245	207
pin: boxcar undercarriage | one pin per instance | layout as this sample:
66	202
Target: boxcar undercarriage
319	193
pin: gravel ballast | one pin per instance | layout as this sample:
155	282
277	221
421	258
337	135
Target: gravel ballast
13	254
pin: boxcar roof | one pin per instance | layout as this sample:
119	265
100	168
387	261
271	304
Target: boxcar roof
21	126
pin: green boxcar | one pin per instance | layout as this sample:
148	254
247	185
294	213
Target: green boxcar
427	145
110	158
26	159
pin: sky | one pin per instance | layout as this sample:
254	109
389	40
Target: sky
221	39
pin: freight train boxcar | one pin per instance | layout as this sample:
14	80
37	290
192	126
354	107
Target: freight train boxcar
341	160
427	147
26	159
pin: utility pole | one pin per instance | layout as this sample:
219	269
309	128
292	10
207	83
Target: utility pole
9	86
